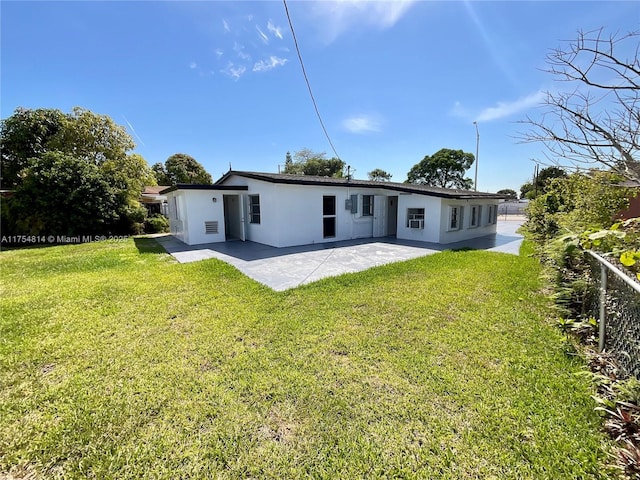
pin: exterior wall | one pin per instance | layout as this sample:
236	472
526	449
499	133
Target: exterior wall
194	208
292	214
266	231
300	216
466	231
432	218
633	210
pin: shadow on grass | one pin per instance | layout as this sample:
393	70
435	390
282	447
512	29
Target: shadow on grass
20	246
148	245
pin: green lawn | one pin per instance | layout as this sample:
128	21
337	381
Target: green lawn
116	362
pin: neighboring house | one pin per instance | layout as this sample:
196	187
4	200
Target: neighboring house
284	210
634	202
153	200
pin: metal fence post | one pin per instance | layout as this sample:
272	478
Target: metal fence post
603	307
619	311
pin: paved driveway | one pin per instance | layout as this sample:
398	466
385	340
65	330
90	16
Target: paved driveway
284	268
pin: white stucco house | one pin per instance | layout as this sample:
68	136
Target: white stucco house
285	210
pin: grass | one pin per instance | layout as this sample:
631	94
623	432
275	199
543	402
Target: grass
116	362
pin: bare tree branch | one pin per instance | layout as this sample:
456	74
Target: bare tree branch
598	122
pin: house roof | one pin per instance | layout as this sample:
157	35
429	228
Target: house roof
196	186
154	189
285	178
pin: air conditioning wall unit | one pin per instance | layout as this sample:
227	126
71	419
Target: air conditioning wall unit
416	223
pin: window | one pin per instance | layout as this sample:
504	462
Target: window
415	217
328	216
328	205
176	212
493	214
254	208
475	216
367	205
455	218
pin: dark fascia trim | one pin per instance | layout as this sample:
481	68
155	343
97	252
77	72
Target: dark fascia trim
457	196
354	183
190	186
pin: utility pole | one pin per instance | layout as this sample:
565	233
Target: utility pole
475	181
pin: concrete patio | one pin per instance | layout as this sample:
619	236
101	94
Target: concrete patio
284	268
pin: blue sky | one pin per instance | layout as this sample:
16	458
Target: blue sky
221	81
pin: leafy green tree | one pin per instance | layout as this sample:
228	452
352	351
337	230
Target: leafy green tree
129	174
379	175
575	203
510	194
181	168
92	137
160	174
547	174
25	135
527	190
538	186
63	195
445	169
288	162
31	141
308	162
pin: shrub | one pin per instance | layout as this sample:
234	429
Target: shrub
156	224
574	204
577	213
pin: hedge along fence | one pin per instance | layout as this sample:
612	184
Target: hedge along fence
617	308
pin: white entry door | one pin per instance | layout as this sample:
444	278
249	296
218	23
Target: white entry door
380	216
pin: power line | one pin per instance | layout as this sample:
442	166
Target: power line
306	79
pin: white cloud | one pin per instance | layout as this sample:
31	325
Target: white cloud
262	35
362	124
234	71
225	25
506	109
270	64
219	52
239	49
335	18
193	65
276	31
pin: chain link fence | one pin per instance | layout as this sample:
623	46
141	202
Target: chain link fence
512	208
617	300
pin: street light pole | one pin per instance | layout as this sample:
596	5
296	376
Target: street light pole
475	181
